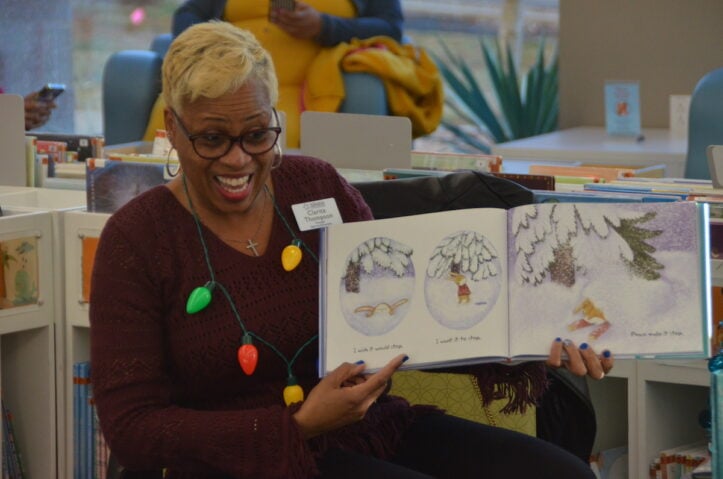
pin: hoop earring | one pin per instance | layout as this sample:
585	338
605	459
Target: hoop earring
168	165
278	157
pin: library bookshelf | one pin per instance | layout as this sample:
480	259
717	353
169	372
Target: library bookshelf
31	336
79	227
27	338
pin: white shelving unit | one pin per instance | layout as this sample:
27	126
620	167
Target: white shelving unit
27	350
78	225
650	405
55	203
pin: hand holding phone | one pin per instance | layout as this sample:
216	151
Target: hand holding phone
51	91
282	4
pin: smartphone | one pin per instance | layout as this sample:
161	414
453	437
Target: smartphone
282	4
51	91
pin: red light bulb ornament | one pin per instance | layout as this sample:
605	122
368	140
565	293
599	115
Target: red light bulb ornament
291	256
292	392
248	355
199	298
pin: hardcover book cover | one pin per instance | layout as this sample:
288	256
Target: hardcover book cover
110	183
622	108
476	285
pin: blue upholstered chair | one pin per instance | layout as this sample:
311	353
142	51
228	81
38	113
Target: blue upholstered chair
705	123
132	82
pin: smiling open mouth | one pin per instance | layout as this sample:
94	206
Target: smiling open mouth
234	185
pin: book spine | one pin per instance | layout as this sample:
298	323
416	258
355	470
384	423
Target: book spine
15	467
716	401
8	461
89	431
76	421
86	473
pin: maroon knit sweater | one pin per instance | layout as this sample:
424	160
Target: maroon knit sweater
168	388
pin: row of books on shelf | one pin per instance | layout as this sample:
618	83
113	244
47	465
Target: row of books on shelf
91	451
12	464
687	461
48	155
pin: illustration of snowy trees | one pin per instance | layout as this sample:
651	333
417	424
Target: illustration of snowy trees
385	254
464	252
558	243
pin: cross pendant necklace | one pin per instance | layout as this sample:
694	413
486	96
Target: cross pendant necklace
252	246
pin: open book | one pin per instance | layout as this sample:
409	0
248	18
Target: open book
476	285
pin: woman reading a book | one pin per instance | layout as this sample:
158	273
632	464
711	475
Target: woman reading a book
204	310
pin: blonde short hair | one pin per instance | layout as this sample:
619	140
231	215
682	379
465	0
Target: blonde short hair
213	59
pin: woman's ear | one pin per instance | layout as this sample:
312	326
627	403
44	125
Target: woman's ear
170	125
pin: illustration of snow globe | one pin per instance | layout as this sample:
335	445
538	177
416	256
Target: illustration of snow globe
463	280
377	286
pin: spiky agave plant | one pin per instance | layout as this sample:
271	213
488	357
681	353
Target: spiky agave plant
525	108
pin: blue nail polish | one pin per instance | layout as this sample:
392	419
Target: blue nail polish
606	354
406	358
361	361
583	346
557	340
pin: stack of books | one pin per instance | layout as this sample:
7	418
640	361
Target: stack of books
11	459
91	451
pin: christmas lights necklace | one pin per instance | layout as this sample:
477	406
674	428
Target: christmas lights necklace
247	353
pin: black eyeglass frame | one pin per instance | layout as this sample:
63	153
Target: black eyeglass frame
233	140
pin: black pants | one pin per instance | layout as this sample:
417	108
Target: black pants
442	446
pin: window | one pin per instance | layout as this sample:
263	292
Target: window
101	28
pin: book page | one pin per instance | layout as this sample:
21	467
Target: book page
431	286
630	277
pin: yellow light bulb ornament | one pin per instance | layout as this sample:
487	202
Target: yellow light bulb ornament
291	256
292	392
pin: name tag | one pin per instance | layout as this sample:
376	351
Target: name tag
316	214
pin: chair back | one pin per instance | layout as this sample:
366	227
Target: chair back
161	43
131	84
705	123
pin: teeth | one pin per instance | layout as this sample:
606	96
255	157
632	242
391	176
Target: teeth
234	183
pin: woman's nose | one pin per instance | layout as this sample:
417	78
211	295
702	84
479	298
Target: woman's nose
236	156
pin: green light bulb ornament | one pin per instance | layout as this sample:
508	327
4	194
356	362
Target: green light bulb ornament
199	298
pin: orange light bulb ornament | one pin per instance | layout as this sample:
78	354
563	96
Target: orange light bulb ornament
248	355
292	392
291	256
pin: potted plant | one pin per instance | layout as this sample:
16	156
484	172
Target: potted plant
525	107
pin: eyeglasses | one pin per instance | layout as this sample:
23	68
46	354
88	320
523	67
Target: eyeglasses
212	146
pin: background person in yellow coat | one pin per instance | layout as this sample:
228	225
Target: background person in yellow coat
293	38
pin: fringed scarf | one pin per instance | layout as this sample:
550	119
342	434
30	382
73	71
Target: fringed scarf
523	384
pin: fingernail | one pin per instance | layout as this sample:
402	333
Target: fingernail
567	342
557	340
406	358
583	346
361	361
606	354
